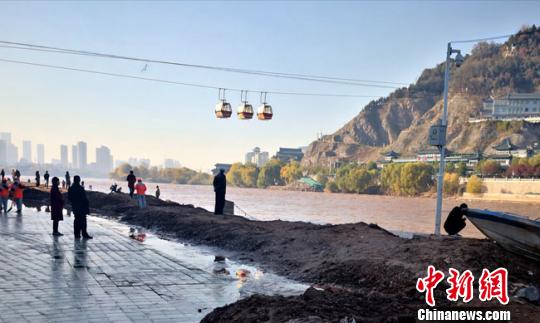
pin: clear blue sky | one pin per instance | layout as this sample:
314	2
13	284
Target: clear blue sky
390	41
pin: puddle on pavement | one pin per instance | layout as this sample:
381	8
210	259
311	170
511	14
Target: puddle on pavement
245	279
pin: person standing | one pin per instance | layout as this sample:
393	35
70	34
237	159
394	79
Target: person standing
131	179
4	194
68	180
3	174
46	177
158	192
16	190
141	190
80	207
57	205
38	178
220	187
17	175
63	184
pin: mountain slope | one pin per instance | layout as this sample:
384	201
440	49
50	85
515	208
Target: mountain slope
401	121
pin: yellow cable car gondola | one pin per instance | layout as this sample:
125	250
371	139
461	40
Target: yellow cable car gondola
265	110
245	110
223	108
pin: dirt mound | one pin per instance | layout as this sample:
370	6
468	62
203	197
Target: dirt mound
365	271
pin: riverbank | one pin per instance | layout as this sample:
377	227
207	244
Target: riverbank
361	270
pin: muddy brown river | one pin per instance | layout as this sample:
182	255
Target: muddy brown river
414	214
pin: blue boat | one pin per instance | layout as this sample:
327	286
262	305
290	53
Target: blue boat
513	232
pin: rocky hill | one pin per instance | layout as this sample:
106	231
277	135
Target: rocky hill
401	121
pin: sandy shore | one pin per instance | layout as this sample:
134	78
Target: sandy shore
359	270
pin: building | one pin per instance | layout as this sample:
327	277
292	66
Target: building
390	156
171	163
515	105
64	156
104	160
27	151
257	157
40	154
12	154
82	154
219	166
287	154
3	151
505	151
74	157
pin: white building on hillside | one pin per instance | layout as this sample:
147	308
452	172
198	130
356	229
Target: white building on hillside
515	105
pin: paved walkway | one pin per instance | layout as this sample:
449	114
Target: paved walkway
108	279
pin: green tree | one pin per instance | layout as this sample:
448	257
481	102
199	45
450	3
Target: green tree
451	183
291	172
269	174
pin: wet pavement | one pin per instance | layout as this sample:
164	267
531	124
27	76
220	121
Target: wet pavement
111	278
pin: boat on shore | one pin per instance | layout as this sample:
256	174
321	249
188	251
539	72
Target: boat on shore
513	232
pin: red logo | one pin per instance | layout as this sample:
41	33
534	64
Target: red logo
494	285
491	285
429	283
460	285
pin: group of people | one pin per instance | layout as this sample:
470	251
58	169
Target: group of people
137	189
13	189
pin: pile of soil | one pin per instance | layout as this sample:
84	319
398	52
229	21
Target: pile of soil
361	270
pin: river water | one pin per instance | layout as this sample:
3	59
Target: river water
414	214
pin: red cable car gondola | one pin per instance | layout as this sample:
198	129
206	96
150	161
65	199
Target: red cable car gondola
265	110
245	110
223	108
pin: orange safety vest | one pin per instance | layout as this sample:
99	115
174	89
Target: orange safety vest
17	191
4	191
140	188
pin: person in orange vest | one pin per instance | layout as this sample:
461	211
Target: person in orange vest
140	189
4	194
17	193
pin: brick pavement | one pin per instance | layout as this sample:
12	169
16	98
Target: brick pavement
108	279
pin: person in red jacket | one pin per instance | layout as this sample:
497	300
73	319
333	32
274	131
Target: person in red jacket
140	188
16	190
4	194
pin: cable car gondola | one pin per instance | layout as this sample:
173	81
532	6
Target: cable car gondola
265	110
223	108
245	110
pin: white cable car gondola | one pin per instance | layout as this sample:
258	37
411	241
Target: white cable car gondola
245	110
265	110
223	108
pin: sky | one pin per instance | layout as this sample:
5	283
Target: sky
386	41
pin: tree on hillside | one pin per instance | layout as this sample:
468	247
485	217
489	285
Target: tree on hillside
490	168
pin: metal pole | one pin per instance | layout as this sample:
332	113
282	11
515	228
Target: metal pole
442	149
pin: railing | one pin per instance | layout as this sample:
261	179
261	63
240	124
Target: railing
504	179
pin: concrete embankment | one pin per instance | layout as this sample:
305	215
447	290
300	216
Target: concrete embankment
362	271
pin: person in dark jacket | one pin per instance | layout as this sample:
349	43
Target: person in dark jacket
3	174
17	175
131	179
455	222
57	205
80	207
46	177
68	180
220	187
38	178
